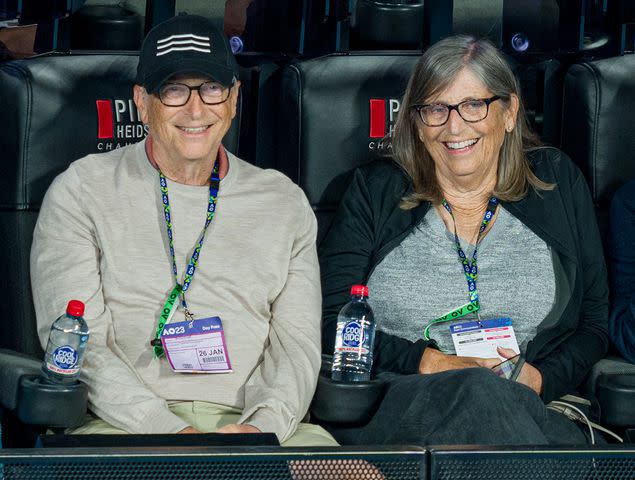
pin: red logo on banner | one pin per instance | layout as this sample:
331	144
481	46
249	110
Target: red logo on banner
104	116
383	115
118	124
377	118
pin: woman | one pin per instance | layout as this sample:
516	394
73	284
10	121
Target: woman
472	216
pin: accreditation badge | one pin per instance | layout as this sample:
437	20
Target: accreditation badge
196	346
480	338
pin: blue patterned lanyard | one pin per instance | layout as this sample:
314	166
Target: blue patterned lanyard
211	208
469	266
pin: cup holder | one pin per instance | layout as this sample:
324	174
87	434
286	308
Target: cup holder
616	394
48	404
345	403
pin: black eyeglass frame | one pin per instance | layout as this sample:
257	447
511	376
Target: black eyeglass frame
456	106
198	90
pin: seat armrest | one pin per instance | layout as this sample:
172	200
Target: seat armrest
13	366
35	402
612	382
345	403
616	395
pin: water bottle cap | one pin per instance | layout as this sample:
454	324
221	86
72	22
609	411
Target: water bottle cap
75	308
359	290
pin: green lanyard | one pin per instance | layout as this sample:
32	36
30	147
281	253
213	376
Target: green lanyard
179	290
466	309
214	186
470	268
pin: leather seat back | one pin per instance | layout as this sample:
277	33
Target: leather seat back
598	125
336	113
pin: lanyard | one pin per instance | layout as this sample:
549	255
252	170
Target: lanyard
469	266
168	310
191	266
466	309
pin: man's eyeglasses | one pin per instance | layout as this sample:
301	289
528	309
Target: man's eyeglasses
437	114
178	94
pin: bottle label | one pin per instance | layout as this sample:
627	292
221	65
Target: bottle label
353	338
64	360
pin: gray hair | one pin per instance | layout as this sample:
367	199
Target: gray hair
435	71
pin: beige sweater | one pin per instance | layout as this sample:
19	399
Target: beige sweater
101	238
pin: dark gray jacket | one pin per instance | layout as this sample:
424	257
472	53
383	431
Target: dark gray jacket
573	336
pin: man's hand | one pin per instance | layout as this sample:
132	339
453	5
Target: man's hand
189	430
529	375
238	428
434	361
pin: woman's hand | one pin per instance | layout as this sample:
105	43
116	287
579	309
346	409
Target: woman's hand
529	375
434	361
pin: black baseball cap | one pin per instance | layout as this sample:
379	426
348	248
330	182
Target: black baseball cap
185	44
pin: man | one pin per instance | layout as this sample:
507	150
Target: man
188	259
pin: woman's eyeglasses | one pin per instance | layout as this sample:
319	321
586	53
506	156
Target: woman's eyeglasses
437	114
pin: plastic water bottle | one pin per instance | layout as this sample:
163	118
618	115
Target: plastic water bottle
66	345
353	354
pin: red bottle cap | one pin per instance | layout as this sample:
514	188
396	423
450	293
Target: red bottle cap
75	308
359	290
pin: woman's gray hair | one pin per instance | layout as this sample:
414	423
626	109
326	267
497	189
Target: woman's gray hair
436	70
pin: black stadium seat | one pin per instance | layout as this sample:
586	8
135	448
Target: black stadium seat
598	125
56	109
335	112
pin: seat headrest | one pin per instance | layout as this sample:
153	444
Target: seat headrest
598	123
337	110
58	108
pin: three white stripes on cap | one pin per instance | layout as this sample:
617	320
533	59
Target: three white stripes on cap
183	42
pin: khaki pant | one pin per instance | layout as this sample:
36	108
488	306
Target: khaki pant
208	417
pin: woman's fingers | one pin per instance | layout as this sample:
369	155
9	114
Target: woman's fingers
486	362
506	352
